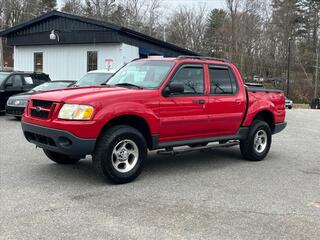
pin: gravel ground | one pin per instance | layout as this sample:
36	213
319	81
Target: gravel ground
211	194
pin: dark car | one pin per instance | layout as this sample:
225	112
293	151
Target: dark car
315	103
16	104
12	83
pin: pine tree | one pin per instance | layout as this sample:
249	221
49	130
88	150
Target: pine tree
216	33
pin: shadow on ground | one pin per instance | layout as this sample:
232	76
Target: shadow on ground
156	165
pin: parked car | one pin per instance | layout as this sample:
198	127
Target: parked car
315	103
154	104
95	78
254	85
16	104
12	83
289	103
258	78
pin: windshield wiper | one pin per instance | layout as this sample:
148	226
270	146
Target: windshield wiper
128	85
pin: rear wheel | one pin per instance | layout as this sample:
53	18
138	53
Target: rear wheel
60	158
258	142
120	154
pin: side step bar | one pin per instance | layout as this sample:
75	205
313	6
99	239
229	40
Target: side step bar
172	152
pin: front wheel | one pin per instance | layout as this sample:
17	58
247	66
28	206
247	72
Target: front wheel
258	142
119	154
60	158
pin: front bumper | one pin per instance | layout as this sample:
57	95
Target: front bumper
14	111
57	140
279	127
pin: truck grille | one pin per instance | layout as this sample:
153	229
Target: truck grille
39	114
41	108
42	103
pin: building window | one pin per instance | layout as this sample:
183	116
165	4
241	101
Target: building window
38	62
92	60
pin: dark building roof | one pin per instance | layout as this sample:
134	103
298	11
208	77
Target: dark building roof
73	29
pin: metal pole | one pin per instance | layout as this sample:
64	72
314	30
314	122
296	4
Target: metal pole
316	73
1	55
289	58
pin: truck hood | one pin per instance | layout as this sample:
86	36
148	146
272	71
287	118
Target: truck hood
83	95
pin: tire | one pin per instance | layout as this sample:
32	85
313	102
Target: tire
290	107
17	118
60	158
253	152
120	154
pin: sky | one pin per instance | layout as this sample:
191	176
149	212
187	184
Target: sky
174	3
210	3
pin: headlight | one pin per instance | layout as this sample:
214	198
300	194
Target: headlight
17	102
76	112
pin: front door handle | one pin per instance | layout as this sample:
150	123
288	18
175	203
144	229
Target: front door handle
238	101
200	101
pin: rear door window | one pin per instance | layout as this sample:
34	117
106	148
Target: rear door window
222	81
28	80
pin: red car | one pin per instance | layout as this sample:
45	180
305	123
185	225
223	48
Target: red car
154	104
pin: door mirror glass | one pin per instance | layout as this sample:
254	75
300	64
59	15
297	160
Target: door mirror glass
174	88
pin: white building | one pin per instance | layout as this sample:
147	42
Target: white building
66	46
70	62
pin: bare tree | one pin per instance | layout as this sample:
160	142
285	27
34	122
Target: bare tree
233	7
186	27
142	15
100	9
73	6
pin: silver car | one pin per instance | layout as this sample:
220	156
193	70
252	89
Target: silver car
289	103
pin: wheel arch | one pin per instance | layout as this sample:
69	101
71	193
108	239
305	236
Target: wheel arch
134	121
267	116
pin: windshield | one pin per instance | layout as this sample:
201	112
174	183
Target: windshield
92	79
143	74
3	77
51	86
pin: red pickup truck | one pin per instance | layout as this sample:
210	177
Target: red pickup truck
154	104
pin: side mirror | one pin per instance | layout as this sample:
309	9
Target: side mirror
173	88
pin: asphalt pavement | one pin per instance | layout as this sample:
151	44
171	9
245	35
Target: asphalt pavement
212	194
